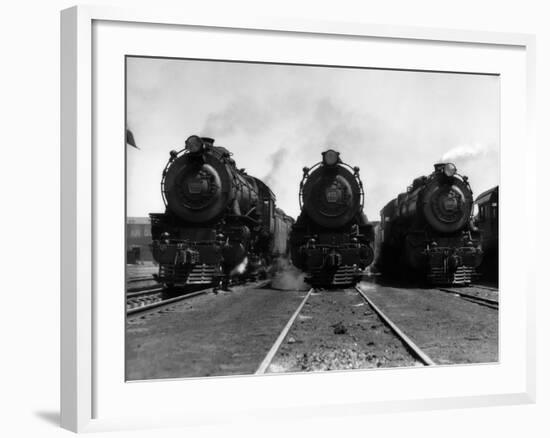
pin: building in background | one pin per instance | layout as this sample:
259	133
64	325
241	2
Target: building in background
138	240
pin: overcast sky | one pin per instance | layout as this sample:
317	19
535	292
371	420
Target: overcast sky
276	119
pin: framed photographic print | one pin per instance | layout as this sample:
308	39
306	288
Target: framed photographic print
253	208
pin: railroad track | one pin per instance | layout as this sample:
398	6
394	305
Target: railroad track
144	301
136	284
412	348
151	299
139	279
275	347
409	344
143	298
143	292
480	286
487	302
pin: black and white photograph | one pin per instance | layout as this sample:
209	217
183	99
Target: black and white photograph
275	219
287	218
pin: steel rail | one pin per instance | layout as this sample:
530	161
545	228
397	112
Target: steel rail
481	286
424	358
143	292
161	303
277	344
493	304
138	279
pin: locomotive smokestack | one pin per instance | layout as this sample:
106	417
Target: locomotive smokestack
208	141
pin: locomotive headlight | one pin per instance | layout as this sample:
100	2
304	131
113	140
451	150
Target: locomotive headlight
450	169
330	157
194	144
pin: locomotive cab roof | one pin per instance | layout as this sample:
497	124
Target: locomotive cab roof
490	195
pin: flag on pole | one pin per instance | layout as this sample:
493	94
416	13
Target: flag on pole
130	139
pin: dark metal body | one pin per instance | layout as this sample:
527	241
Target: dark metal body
486	219
219	222
427	231
331	240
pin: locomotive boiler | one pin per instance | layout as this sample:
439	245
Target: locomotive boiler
331	240
219	222
428	232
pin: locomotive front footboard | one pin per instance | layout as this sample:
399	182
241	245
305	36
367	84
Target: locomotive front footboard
335	265
181	264
452	264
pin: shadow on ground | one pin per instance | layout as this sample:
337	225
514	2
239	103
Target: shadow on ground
51	417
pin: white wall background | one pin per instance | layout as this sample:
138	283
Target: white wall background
29	178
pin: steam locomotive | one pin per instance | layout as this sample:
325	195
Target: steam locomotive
219	221
331	240
427	232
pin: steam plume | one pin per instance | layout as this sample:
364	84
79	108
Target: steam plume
240	268
276	160
464	153
287	276
242	114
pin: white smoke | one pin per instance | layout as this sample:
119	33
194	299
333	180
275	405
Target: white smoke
240	268
287	276
464	153
276	161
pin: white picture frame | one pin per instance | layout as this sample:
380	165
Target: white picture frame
87	403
